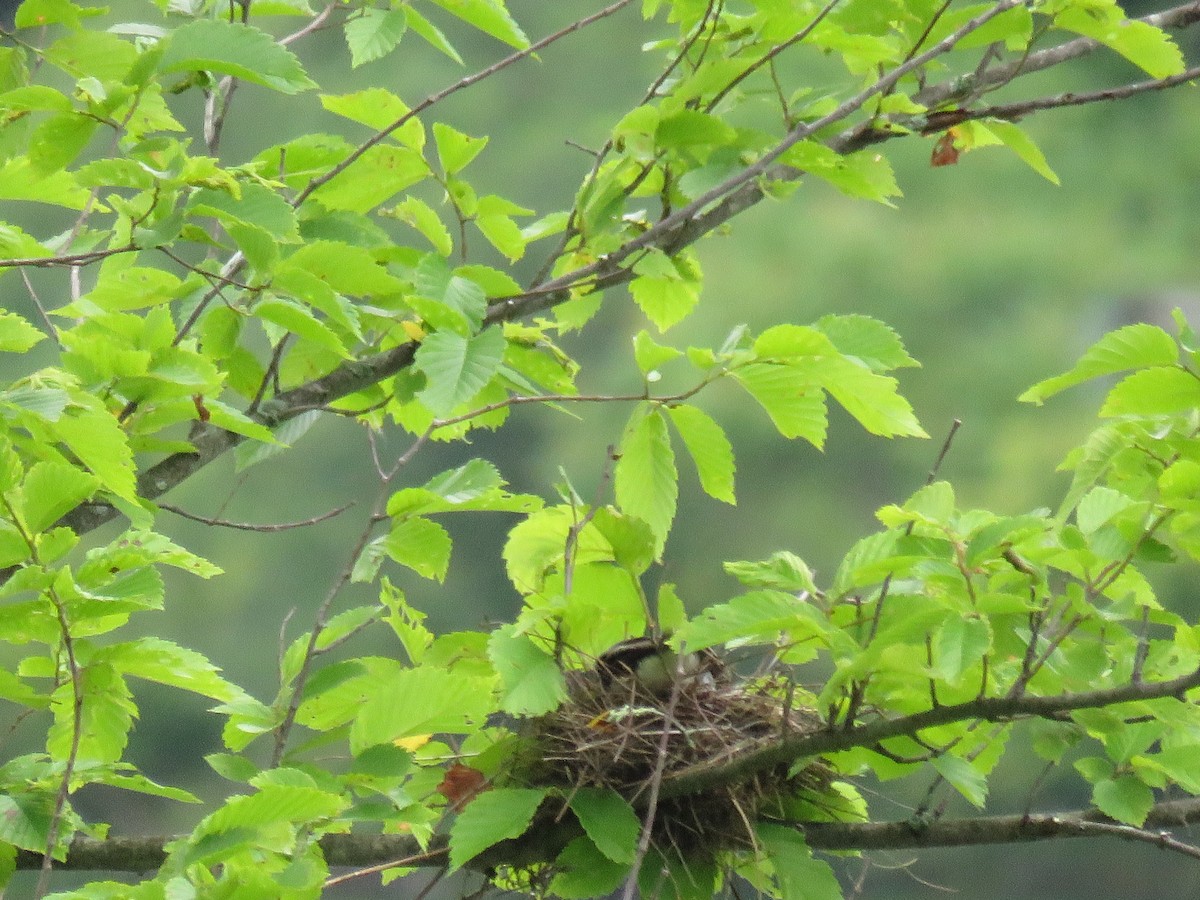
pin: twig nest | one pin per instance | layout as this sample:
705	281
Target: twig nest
630	734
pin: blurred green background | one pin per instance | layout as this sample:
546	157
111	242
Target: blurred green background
994	278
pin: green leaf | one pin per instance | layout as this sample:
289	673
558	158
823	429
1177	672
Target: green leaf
872	399
789	397
958	644
457	303
430	33
1124	798
345	267
1015	138
1132	347
1142	44
1154	392
647	482
964	777
709	448
455	149
97	439
420	701
51	490
242	51
271	804
867	340
167	663
650	355
456	368
582	871
689	128
797	875
420	544
373	33
609	821
490	17
25	820
293	317
666	290
532	681
784	571
421	216
472	486
490	818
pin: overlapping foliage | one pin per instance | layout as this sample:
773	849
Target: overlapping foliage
215	304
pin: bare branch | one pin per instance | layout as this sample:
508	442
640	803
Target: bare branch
245	526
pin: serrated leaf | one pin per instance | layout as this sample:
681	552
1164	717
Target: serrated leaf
647	482
958	644
293	317
609	821
868	340
493	816
1132	347
424	700
649	354
964	777
430	33
490	17
243	51
784	571
582	871
421	216
1020	143
1142	44
1124	798
373	33
97	439
797	875
1154	392
420	544
455	149
794	403
532	682
709	448
51	490
456	368
665	289
272	803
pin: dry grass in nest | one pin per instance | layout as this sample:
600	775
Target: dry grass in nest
624	738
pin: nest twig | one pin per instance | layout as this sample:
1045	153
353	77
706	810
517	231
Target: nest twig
611	735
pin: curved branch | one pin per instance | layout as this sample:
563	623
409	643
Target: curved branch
1009	829
145	854
989	709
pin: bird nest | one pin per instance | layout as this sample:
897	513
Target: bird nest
618	735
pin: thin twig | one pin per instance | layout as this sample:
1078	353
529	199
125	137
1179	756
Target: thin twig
245	526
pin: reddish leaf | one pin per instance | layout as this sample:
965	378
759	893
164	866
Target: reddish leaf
944	151
461	784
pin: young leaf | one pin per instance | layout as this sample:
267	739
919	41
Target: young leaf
493	816
609	821
373	34
647	482
456	368
243	51
709	448
1158	391
532	681
794	403
1132	347
490	17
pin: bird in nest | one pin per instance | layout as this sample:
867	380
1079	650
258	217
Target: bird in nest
652	666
